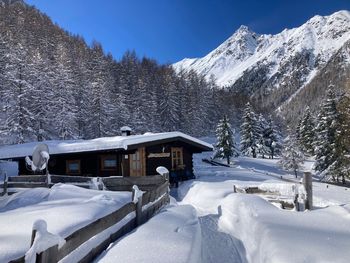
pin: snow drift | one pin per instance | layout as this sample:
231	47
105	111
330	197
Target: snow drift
172	236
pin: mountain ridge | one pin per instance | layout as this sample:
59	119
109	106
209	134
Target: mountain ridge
273	69
249	48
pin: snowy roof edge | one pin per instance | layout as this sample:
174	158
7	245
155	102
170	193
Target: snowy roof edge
98	144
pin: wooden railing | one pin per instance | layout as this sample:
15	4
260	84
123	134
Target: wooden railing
147	205
145	183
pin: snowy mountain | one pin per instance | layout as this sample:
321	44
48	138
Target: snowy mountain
245	49
274	68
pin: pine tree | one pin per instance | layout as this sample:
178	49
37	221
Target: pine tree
19	122
249	132
340	168
292	157
263	148
307	133
297	131
326	133
273	138
225	147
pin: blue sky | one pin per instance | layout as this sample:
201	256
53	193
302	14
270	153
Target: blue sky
170	30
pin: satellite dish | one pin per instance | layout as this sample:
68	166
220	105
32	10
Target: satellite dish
40	158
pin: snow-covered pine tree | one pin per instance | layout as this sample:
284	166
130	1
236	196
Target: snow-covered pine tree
340	168
225	147
73	90
249	132
292	158
307	133
169	98
19	114
263	149
62	104
297	130
327	120
273	138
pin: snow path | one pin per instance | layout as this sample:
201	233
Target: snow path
217	246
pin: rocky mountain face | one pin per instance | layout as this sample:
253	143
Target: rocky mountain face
283	71
10	2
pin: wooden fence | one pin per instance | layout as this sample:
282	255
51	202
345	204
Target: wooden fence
10	185
148	204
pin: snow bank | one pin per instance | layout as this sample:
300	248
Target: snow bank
273	235
23	198
204	196
173	235
65	208
268	233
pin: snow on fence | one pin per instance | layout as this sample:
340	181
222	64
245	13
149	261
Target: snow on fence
12	184
104	230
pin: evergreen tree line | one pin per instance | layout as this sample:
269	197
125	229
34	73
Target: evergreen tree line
327	136
259	137
55	86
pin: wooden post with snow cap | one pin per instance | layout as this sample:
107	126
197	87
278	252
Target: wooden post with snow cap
163	172
307	182
137	199
48	255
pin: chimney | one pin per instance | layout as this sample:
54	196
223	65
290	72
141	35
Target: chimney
126	130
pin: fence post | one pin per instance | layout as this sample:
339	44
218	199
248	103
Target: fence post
307	182
49	255
136	195
163	172
296	202
5	184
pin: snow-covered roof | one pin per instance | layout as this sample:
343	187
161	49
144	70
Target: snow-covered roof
99	144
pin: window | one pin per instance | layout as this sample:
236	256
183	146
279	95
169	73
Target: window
108	162
177	158
73	166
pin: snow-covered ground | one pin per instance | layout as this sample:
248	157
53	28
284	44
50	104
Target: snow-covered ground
251	229
208	222
172	236
65	208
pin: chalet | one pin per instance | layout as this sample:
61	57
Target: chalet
126	155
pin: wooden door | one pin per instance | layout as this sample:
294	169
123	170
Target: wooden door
177	162
137	163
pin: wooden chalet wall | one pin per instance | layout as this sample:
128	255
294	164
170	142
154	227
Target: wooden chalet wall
90	162
165	160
